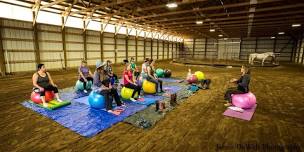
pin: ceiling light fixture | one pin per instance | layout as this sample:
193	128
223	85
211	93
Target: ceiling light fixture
295	25
272	37
171	5
220	35
199	22
281	33
212	30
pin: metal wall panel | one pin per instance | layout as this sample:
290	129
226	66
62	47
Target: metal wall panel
18	46
50	46
74	47
93	47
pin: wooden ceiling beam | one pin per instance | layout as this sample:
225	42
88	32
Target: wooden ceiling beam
261	10
102	6
51	4
211	8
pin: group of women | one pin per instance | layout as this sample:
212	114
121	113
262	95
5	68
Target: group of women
104	79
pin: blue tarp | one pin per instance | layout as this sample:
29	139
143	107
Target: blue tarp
84	120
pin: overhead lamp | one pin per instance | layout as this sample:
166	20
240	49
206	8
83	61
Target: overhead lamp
295	25
281	33
225	38
199	22
171	5
220	35
212	30
272	37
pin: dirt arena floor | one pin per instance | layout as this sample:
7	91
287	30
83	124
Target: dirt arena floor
195	125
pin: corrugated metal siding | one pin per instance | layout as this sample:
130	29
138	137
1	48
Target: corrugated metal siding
93	47
140	49
50	46
211	52
74	46
229	49
131	47
18	46
108	46
121	47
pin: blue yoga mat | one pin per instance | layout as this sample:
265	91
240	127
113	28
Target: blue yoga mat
84	120
170	80
171	89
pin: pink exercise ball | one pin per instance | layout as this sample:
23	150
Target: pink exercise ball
192	79
244	101
35	96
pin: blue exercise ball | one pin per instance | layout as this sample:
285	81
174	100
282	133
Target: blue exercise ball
96	100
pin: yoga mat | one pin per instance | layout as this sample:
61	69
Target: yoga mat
171	89
170	80
84	120
246	115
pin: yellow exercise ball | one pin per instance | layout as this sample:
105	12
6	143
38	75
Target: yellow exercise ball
149	87
200	75
126	93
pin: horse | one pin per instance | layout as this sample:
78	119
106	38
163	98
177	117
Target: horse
262	56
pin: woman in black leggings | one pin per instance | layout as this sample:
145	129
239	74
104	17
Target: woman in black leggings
242	85
129	82
42	82
152	77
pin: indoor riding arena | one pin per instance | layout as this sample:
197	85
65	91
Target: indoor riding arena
151	75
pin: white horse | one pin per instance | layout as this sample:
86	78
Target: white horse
262	56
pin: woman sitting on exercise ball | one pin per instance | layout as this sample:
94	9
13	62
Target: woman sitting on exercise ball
103	84
42	82
129	81
152	77
85	75
242	85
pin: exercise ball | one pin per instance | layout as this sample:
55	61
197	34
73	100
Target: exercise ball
35	96
244	101
192	79
96	100
167	73
126	93
159	72
149	87
200	75
79	85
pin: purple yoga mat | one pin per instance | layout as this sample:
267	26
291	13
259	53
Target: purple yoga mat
246	115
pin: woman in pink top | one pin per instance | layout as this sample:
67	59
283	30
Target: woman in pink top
129	82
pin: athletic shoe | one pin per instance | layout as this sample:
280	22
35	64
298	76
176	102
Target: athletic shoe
132	99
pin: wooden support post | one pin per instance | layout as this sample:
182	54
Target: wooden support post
176	46
157	49
274	45
163	49
151	48
115	46
168	50
193	48
84	35
145	46
64	44
101	43
2	58
136	48
36	43
172	50
206	41
294	45
127	40
299	49
256	44
240	48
